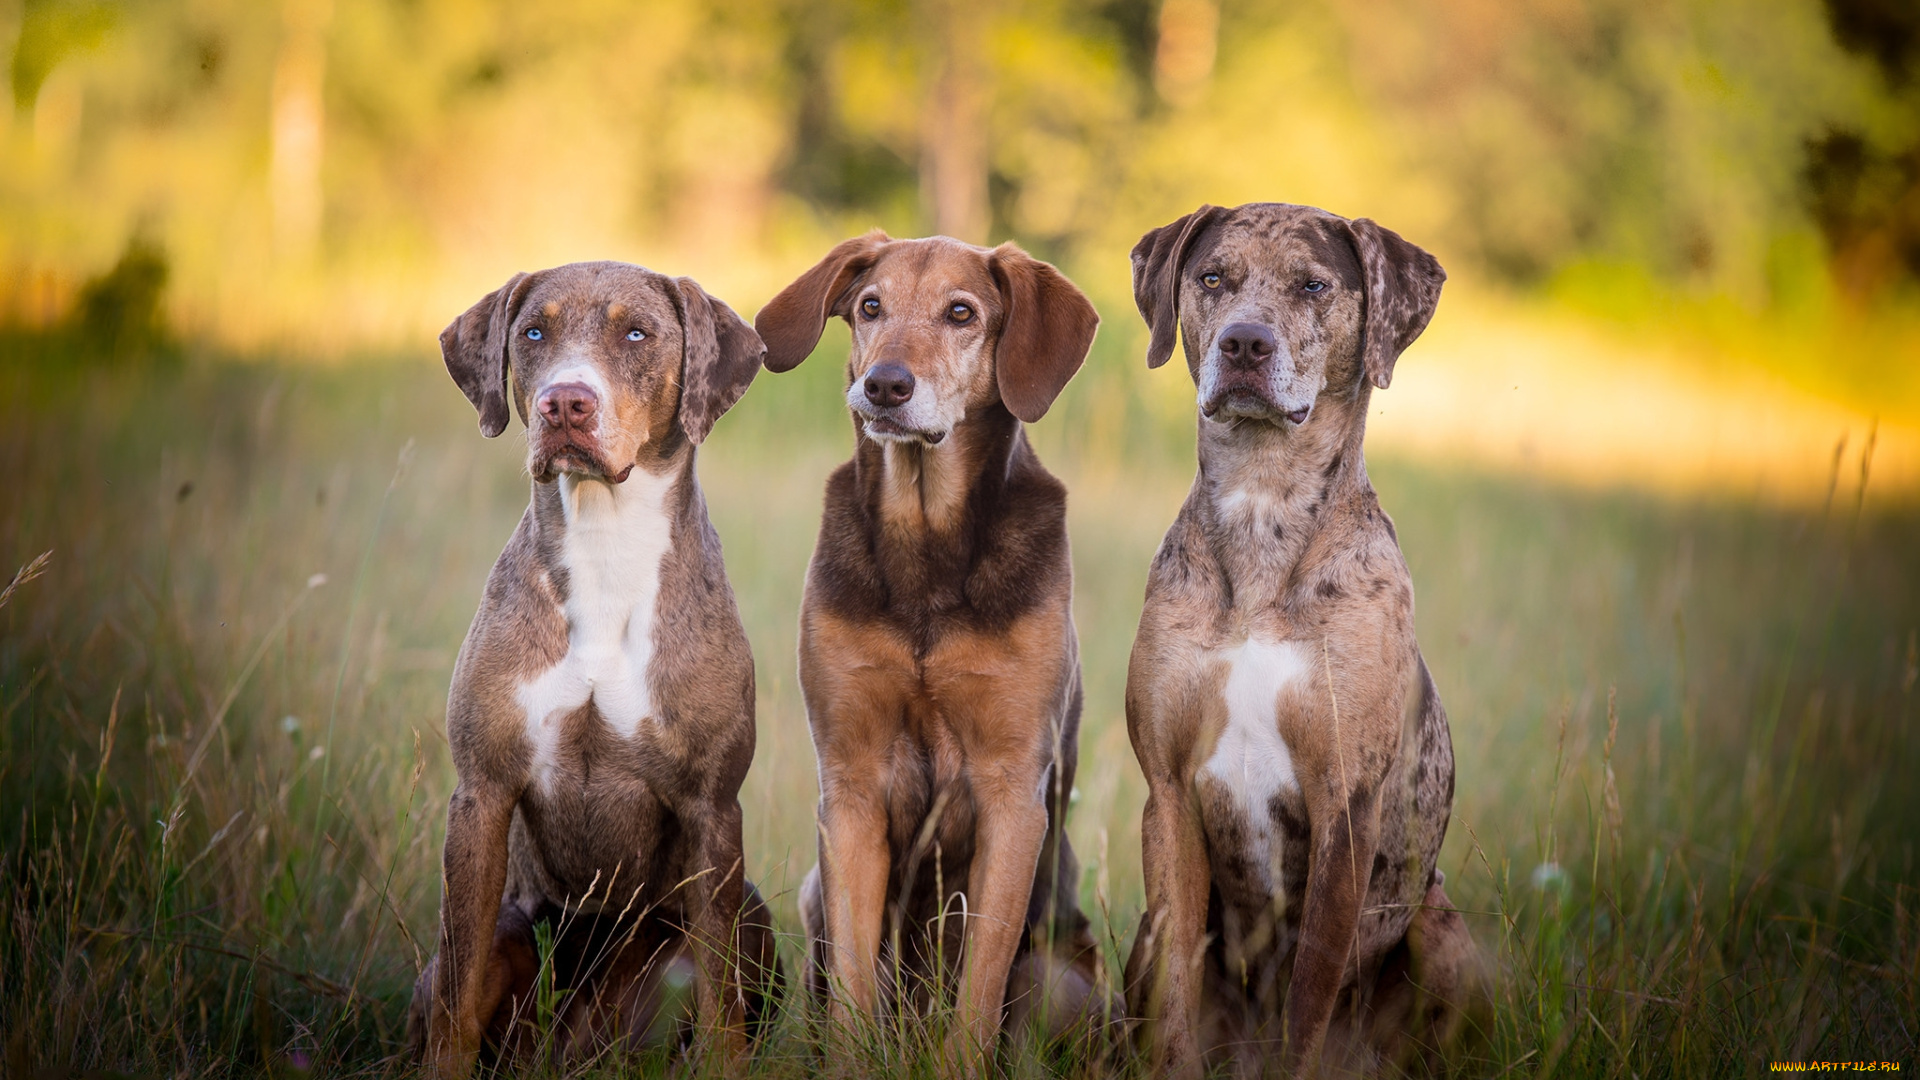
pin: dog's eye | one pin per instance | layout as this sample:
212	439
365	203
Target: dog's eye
533	333
1314	286
870	307
1211	281
960	313
635	335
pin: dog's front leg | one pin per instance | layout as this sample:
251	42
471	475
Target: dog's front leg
1337	872
1178	873
714	915
1010	827
473	876
854	863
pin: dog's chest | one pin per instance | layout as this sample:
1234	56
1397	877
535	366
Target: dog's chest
616	539
1250	773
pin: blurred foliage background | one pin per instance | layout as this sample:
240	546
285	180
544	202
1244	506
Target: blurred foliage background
335	175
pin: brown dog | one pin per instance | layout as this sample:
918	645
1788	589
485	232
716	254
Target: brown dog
1298	761
937	651
602	708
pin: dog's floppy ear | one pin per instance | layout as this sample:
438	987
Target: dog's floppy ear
791	322
1046	327
722	356
475	349
1157	260
1403	288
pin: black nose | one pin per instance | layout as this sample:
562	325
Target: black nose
569	405
889	384
1246	344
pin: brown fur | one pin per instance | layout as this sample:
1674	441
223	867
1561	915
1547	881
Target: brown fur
1309	925
937	651
631	843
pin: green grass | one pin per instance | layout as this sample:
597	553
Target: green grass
222	783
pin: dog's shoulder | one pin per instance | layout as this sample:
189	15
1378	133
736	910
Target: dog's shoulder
519	628
701	644
1028	509
1021	558
845	575
1369	545
1184	566
521	605
1357	585
693	571
1371	520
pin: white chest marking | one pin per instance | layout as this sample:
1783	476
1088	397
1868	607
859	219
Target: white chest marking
1251	759
1248	507
1233	501
616	537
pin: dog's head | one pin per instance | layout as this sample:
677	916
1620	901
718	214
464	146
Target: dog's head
603	360
940	328
1276	303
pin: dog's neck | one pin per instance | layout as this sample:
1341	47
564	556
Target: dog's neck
921	489
652	496
1265	491
601	549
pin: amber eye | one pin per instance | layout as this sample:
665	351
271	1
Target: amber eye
960	313
870	307
1211	281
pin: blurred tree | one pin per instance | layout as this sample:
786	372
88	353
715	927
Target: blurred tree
1887	30
1867	203
1666	136
845	155
424	149
119	316
299	123
50	32
1134	25
953	141
1004	120
1184	49
1865	193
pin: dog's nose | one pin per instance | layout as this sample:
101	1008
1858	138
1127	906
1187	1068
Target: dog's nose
569	405
889	384
1246	344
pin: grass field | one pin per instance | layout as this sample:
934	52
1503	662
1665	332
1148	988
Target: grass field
1686	807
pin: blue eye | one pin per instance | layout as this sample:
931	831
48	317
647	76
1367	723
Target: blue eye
533	333
635	335
1314	286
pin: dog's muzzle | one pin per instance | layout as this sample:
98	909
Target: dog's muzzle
885	402
566	437
885	427
1243	383
1233	401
